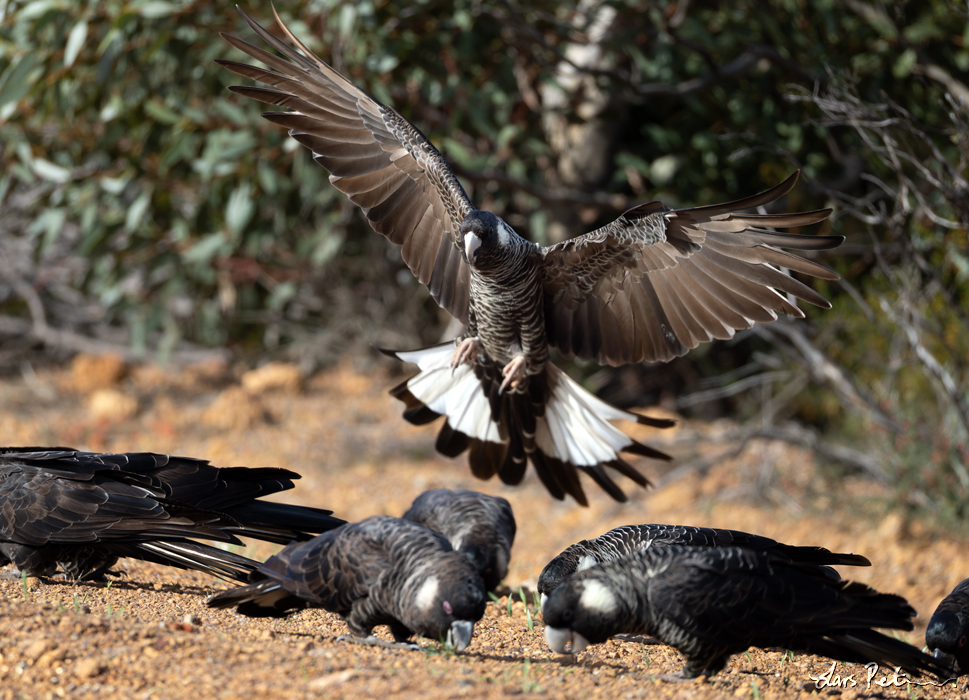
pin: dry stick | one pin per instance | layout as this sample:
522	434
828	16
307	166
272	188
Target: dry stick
824	370
790	433
932	365
730	389
68	340
901	143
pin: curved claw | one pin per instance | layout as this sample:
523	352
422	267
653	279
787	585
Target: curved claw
466	352
513	373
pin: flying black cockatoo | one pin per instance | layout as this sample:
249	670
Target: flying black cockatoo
480	526
380	571
948	631
82	511
713	602
649	286
637	538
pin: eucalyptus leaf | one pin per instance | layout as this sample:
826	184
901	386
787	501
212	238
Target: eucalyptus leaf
206	249
75	42
16	80
158	111
155	9
132	181
137	211
50	171
239	209
36	8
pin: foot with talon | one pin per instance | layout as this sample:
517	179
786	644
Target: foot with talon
467	351
513	373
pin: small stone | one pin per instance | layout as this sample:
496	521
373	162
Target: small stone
276	376
48	658
332	679
90	372
36	649
894	528
234	409
113	405
88	668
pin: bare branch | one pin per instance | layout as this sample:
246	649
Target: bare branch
731	389
824	370
907	319
612	202
739	439
750	56
940	75
75	342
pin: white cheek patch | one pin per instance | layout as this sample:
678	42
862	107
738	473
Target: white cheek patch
586	561
505	234
597	596
427	594
502	559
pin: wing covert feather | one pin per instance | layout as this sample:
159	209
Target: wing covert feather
655	282
381	161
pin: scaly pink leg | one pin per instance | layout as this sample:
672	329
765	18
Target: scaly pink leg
467	351
513	373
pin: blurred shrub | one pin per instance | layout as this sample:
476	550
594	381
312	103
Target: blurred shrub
137	193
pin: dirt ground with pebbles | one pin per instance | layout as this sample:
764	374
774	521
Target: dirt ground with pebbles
149	634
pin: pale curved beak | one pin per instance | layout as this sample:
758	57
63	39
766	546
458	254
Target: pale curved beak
471	245
459	634
564	641
947	659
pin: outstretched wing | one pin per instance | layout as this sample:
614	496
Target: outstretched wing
656	282
375	156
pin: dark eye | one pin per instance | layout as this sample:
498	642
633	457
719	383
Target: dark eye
962	641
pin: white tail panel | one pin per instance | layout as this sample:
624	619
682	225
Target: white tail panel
575	427
452	392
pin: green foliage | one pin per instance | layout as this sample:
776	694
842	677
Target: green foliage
134	184
195	218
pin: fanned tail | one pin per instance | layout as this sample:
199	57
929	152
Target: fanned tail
551	420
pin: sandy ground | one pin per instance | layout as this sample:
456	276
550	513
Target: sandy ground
149	634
